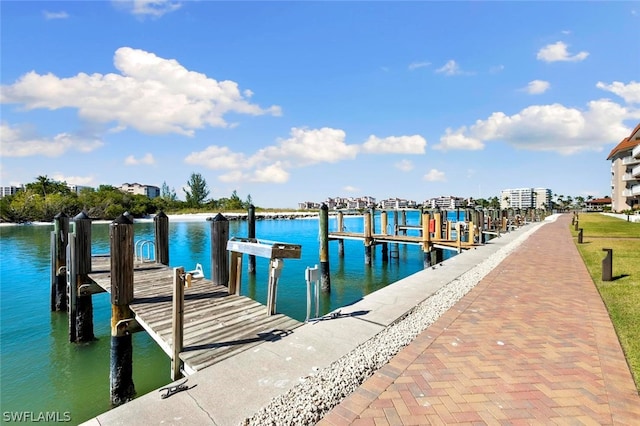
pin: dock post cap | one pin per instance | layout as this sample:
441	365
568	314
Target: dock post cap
324	207
123	219
82	215
218	218
60	215
161	214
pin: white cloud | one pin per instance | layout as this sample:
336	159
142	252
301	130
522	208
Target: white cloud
395	145
54	15
496	69
351	189
458	140
558	52
303	147
554	128
416	65
144	8
147	159
216	158
629	92
75	180
152	94
537	87
450	68
17	142
274	173
435	175
310	146
404	165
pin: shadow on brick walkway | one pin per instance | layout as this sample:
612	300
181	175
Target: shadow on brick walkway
532	343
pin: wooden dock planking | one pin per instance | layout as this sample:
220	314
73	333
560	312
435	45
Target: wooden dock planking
217	325
398	239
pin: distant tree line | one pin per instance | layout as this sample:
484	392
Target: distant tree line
44	198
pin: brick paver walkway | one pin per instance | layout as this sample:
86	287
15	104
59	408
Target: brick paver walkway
532	343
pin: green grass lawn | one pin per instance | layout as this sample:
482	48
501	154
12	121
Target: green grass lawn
622	295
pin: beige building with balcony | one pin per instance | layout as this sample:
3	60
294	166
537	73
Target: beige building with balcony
625	173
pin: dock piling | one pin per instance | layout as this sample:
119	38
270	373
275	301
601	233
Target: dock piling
368	240
325	277
177	328
121	366
219	256
59	242
275	269
161	226
251	233
340	221
83	303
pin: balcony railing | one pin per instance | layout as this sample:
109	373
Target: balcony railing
635	153
630	160
631	192
627	177
635	172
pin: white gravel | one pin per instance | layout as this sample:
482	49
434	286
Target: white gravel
309	401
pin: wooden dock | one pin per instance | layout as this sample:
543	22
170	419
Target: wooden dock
401	239
217	324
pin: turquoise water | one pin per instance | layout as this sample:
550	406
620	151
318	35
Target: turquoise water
41	372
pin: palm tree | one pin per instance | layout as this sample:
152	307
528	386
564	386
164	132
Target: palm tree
44	183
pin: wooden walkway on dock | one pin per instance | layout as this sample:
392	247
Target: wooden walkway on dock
400	239
217	324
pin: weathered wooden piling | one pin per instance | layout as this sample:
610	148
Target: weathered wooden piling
396	225
325	277
121	365
81	319
383	230
177	326
59	242
437	225
219	256
368	240
384	222
251	233
480	225
426	239
340	225
161	227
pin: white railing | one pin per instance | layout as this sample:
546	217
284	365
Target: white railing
142	255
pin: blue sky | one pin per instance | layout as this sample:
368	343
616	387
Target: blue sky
300	101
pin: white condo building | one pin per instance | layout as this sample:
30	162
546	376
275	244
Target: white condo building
136	188
625	173
526	198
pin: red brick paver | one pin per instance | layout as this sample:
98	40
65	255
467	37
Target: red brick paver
532	343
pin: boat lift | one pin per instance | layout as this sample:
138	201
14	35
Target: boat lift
275	251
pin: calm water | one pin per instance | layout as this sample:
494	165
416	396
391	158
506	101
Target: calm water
42	372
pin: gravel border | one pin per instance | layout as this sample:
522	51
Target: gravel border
309	401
